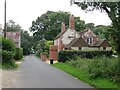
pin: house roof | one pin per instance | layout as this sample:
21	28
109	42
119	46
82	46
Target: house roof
60	34
102	43
82	32
99	42
77	42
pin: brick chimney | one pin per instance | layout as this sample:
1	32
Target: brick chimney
62	26
71	22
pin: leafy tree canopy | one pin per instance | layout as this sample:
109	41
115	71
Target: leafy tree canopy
12	26
48	25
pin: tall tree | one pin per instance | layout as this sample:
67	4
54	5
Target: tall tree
26	42
48	25
113	11
90	25
12	26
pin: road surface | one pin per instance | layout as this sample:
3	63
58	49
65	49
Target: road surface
34	73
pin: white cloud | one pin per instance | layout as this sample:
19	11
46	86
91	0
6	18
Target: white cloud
25	11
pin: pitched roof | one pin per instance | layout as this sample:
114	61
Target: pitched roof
82	32
99	42
77	42
102	43
60	34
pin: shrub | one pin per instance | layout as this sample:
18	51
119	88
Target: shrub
19	54
98	67
63	56
8	45
45	53
7	55
9	65
104	68
8	52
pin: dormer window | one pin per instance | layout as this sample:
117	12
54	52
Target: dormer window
89	40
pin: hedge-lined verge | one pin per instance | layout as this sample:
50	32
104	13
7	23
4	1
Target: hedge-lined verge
8	52
67	55
19	54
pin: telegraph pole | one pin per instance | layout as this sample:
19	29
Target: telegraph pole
5	20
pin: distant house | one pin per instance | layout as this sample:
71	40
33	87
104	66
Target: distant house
70	39
15	36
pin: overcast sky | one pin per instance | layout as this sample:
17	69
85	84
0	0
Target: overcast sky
24	12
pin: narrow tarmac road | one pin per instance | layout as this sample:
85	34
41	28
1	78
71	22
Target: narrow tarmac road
34	73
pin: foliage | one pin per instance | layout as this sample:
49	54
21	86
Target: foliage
7	55
9	65
12	26
72	54
98	67
8	45
8	52
48	25
99	83
26	42
89	25
43	47
19	54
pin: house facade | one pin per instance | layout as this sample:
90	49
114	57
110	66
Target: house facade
70	39
15	36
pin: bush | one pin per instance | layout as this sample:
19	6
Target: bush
63	56
19	54
9	65
8	45
98	67
7	55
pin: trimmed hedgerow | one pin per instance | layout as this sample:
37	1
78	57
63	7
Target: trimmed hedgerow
19	54
66	55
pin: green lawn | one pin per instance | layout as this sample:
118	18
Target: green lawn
100	83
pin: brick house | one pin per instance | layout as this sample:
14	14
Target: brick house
70	39
15	36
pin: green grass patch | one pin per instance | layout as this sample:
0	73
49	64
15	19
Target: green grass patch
100	83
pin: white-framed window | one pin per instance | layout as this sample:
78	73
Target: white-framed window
89	40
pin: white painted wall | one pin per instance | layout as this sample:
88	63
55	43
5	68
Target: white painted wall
89	49
69	32
75	48
108	48
95	48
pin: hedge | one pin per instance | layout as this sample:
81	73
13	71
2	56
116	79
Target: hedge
19	54
7	56
70	54
8	45
8	51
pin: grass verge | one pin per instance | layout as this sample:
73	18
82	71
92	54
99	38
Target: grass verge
100	83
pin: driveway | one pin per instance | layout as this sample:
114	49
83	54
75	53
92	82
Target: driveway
34	73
